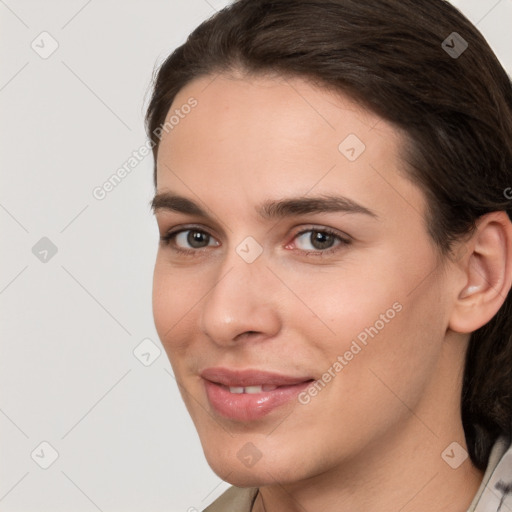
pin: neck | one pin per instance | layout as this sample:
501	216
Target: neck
409	475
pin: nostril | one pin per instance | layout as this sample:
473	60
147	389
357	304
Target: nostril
247	333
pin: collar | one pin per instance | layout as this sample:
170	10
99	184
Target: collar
495	492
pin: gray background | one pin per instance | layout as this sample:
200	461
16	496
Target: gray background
72	373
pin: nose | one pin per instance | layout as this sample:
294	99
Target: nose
241	304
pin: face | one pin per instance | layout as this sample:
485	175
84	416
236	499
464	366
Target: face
294	256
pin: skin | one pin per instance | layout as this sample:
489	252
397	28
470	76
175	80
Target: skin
372	439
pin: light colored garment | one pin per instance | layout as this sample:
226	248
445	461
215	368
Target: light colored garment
494	494
235	499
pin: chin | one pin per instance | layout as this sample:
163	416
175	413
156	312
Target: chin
232	468
247	479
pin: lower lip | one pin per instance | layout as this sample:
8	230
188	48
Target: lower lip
248	406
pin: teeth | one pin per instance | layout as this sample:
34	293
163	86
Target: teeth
251	389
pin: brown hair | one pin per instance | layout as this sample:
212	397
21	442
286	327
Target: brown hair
396	58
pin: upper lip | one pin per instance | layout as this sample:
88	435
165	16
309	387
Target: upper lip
242	378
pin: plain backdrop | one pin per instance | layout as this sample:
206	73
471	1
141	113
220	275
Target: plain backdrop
90	415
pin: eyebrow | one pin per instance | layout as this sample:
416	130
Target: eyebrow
272	209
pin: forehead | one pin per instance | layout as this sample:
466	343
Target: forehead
276	110
251	137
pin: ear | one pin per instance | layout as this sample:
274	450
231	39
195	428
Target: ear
486	273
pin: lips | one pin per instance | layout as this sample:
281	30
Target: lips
244	378
247	395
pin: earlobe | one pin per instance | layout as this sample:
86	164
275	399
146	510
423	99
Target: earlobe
487	269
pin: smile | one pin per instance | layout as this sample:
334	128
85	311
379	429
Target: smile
249	395
251	390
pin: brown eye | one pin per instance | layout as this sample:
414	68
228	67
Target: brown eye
197	239
189	239
318	240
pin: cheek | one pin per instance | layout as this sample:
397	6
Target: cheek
376	315
399	357
367	288
341	303
174	298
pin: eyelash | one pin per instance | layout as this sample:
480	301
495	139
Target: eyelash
169	237
326	231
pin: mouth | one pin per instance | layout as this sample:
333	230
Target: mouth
250	390
248	395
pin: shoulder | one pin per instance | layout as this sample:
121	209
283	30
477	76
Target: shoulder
495	493
235	499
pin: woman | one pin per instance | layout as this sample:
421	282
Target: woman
332	283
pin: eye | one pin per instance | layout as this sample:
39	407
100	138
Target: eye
319	240
188	240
